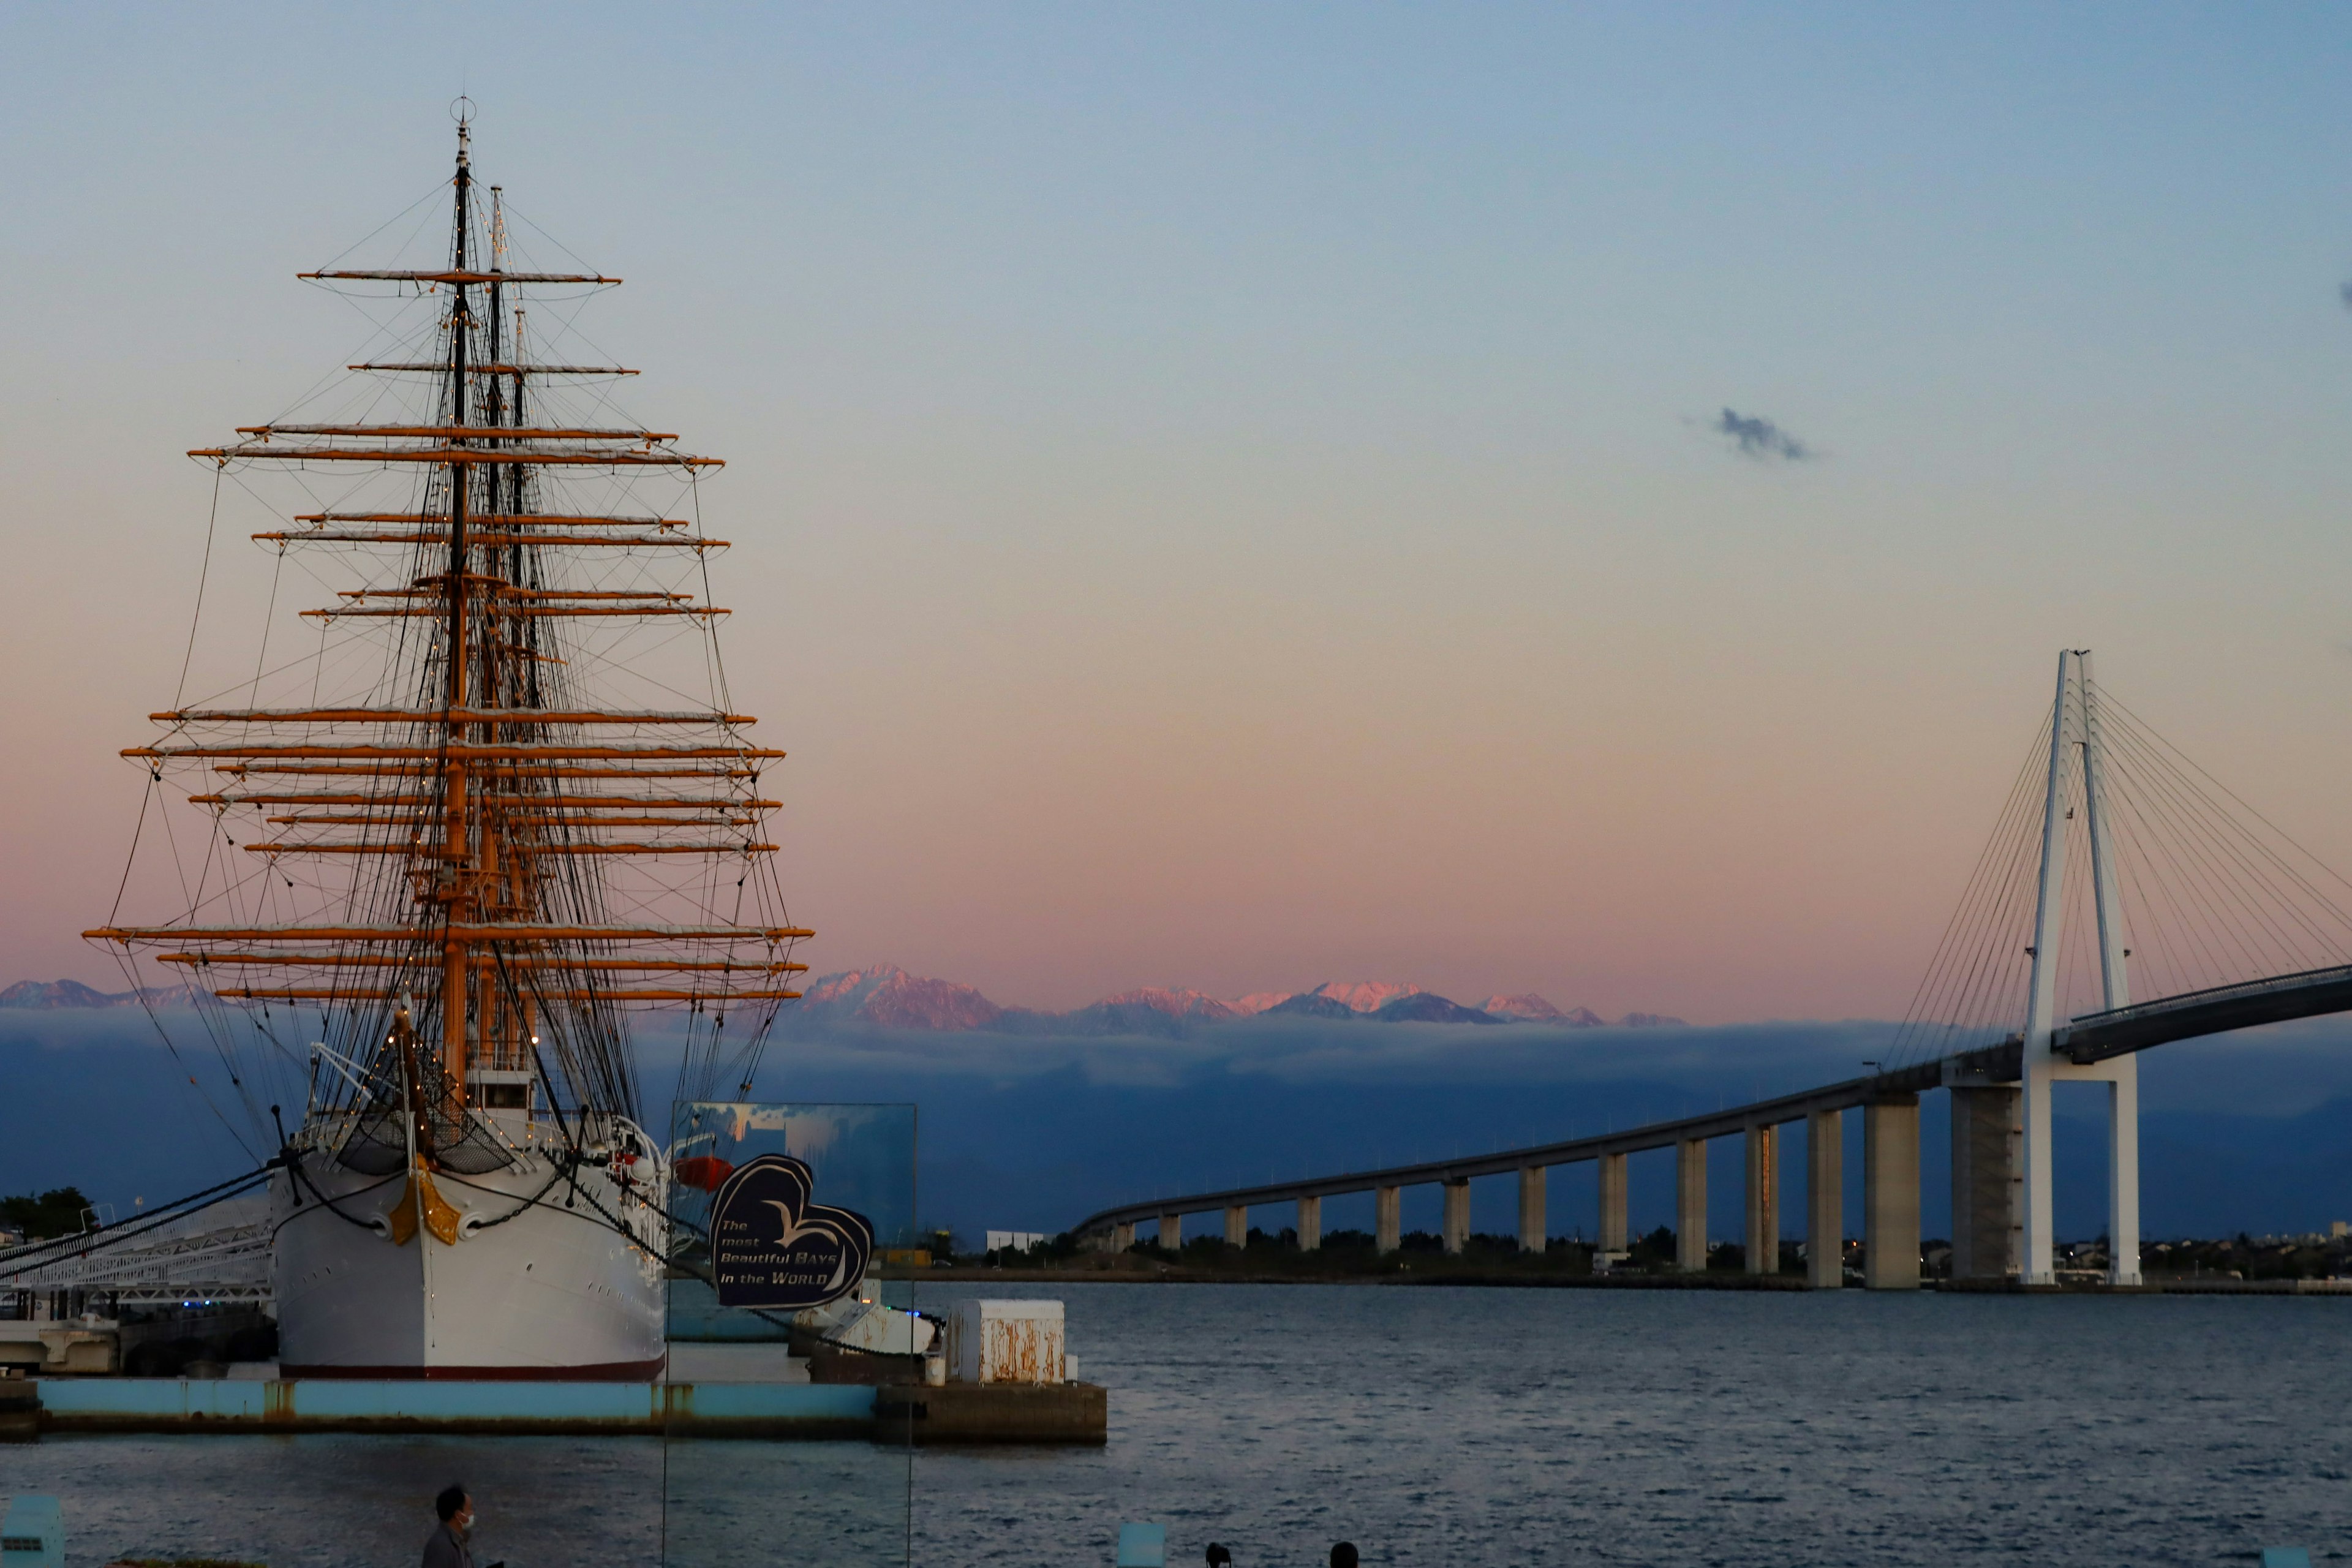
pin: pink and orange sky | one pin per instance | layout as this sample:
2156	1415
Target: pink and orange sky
1227	498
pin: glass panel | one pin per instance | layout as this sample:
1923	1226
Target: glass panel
779	1335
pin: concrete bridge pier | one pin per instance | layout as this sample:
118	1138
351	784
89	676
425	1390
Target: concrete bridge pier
1310	1223
2123	1173
1385	1229
1237	1224
1825	1200
1613	1203
1458	1216
1171	1232
1531	1209
1987	1185
1690	1205
1763	1200
1122	1236
1890	1193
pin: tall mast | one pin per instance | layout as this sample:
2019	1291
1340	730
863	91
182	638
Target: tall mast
455	969
468	817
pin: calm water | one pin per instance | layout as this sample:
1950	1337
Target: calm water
1430	1426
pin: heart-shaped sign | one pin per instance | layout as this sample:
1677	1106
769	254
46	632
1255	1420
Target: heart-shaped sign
771	1245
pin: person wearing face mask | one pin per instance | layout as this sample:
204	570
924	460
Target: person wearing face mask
446	1548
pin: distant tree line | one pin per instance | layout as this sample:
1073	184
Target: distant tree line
58	1212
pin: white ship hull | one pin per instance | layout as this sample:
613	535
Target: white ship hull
529	1288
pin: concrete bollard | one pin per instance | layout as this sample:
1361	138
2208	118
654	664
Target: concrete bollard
1690	1205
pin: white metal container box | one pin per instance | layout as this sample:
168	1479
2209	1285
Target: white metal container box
1006	1341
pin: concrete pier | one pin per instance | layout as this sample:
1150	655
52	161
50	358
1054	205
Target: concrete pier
1825	1200
1763	1200
1613	1203
1171	1232
1237	1224
1310	1223
1531	1209
1690	1205
1385	1229
994	1413
1122	1237
1458	1216
1987	1218
1890	1193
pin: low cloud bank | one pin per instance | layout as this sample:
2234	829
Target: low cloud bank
2242	1131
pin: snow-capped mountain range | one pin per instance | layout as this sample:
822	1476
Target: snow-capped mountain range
51	994
888	997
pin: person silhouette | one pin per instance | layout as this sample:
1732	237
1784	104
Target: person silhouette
1343	1555
447	1548
1219	1557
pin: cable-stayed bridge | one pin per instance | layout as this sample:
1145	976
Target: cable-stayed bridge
2115	861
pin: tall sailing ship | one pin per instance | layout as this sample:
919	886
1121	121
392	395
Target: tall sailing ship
441	869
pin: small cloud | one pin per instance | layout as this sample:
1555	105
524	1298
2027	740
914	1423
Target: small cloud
1757	436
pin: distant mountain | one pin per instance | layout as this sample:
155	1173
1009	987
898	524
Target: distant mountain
1309	1005
74	994
1147	1010
1366	995
889	998
1258	1002
1175	1003
1532	1008
1428	1007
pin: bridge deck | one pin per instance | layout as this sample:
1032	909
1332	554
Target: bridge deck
1844	1096
2093	1038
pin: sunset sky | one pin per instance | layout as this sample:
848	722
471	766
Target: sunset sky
1236	496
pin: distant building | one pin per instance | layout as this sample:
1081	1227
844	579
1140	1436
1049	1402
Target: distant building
1015	1240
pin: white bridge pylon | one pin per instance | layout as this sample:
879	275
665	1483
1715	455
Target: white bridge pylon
2075	744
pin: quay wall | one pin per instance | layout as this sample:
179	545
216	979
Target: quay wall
955	1413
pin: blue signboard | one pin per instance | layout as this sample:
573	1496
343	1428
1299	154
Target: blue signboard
771	1245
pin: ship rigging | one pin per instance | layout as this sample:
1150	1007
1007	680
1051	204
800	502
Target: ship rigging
504	806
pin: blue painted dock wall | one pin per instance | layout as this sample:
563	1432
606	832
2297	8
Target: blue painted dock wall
337	1405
